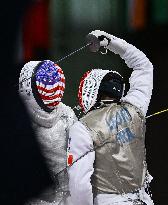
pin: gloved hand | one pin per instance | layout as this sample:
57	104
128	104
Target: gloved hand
102	39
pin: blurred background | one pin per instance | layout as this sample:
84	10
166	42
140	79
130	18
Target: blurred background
50	29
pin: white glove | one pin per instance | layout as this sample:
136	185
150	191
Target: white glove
114	44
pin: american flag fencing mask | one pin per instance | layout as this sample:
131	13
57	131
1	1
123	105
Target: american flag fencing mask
45	80
50	83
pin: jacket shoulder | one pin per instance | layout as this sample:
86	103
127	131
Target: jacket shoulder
67	113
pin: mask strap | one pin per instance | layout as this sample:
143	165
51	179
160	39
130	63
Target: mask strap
105	51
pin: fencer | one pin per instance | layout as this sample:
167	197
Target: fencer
41	86
112	132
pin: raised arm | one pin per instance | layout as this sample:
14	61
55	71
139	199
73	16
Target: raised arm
141	80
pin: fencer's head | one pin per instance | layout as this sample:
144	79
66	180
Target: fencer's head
43	81
97	84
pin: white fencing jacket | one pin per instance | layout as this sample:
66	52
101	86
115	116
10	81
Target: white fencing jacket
139	95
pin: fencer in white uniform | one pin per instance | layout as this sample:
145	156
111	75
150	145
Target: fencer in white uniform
107	158
41	86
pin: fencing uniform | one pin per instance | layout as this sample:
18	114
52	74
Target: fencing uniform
51	120
114	170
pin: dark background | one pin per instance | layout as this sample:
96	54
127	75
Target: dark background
22	166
